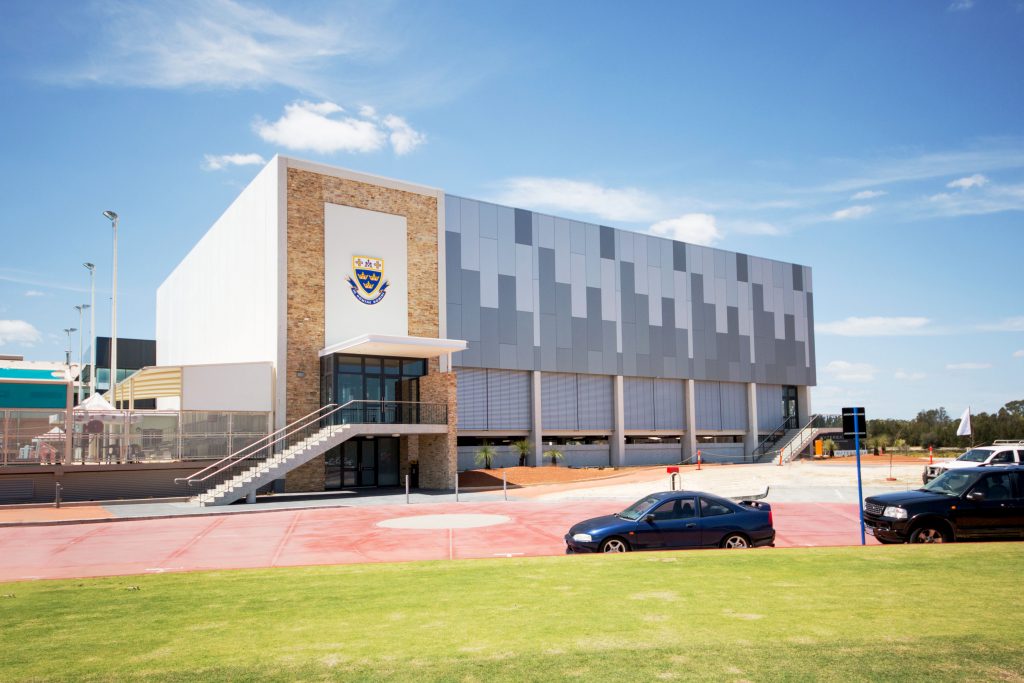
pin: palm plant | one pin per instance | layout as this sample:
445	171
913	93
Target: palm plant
554	454
485	456
523	448
828	446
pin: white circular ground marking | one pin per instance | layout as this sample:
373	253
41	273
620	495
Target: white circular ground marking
443	521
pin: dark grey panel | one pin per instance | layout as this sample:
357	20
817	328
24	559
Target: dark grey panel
607	242
741	267
507	309
679	256
798	278
594	338
453	267
454	317
546	279
524	227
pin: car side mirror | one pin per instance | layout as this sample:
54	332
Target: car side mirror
976	496
649	519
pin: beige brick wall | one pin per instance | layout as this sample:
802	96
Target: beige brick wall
437	452
307	192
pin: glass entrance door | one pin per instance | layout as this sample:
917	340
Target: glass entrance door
789	407
362	462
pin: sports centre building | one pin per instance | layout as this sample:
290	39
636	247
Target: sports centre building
433	323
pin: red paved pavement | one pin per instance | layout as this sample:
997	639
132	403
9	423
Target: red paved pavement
339	536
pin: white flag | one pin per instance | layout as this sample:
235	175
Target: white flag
965	423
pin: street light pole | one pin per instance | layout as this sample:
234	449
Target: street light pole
112	217
67	351
92	325
80	308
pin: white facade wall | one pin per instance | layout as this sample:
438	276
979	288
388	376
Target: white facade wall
220	305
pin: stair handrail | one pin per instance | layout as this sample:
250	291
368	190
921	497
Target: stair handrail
774	436
272	439
814	424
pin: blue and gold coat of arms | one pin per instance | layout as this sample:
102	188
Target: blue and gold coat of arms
369	285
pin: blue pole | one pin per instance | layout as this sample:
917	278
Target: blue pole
860	488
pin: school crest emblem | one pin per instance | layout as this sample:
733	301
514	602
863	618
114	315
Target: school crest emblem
369	285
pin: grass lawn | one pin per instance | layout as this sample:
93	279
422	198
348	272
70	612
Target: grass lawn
880	613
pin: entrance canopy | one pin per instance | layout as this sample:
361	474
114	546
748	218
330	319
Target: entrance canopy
391	345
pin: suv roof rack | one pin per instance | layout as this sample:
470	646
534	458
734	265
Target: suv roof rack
1008	442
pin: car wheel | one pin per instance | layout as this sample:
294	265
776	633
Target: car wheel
614	545
929	533
735	541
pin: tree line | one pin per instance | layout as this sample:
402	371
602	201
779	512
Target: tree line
936	428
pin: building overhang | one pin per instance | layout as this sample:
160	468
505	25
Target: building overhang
393	345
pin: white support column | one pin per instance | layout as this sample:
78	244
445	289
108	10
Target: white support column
536	431
752	438
690	438
617	442
803	404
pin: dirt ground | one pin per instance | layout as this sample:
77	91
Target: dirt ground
532	476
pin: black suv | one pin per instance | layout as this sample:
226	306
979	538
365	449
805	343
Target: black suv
975	503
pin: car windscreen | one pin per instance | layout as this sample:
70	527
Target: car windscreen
953	482
638	508
975	455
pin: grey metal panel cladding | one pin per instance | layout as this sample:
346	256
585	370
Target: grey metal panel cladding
638	402
656	292
594	407
508	399
708	405
769	406
734	405
471	394
559	400
669	404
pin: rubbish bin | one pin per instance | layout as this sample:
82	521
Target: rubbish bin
414	475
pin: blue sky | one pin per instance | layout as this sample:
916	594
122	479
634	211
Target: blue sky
880	143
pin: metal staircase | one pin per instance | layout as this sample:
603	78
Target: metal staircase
788	440
245	471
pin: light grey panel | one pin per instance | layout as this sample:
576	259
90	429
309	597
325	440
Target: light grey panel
609	300
578	278
595	401
452	213
489	272
471	394
593	255
546	227
624	245
654	295
577	238
470	234
508	399
454	321
707	405
640	261
734	405
488	220
558	400
453	266
506	222
471	305
638	402
669	408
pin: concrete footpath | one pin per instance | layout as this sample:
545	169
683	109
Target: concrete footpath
814	504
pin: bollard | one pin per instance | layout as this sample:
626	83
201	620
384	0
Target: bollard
504	484
931	461
698	460
56	495
456	487
407	489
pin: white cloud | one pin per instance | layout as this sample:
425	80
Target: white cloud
695	228
909	376
1018	354
403	138
212	162
1005	325
18	332
845	371
581	197
868	194
743	227
211	43
877	326
960	5
968	366
34	292
325	128
852	212
967	182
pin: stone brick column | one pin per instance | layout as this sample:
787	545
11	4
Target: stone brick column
437	452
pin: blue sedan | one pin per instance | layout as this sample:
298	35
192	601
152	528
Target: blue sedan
676	520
